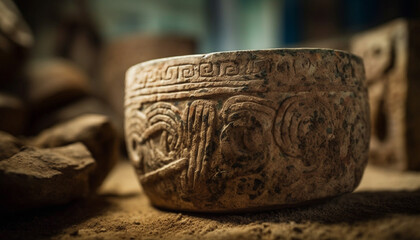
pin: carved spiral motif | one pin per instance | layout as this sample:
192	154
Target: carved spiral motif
358	127
133	129
168	137
246	134
304	124
159	141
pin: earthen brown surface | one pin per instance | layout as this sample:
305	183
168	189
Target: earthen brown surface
391	54
247	130
385	206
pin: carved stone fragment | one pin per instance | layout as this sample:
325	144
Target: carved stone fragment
33	177
247	130
391	55
96	132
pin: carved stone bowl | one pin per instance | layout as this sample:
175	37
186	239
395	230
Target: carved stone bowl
247	130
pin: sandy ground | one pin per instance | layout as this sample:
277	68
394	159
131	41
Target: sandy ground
385	206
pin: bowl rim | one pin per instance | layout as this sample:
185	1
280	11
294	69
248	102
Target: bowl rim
250	51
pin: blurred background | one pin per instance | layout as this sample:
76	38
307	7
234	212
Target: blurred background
61	59
215	25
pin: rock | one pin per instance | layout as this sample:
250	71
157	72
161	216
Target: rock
124	52
13	26
53	83
96	132
12	114
16	39
75	35
247	130
87	105
9	145
391	54
32	177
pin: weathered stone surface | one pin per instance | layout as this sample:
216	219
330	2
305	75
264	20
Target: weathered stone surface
124	52
12	114
32	177
96	132
249	129
391	54
54	82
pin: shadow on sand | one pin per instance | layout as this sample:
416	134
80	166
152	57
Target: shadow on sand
349	208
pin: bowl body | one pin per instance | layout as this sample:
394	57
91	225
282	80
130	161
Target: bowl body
247	130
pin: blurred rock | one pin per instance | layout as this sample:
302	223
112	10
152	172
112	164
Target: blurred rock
9	145
65	29
125	52
33	177
77	36
87	105
12	114
51	83
15	41
391	54
96	132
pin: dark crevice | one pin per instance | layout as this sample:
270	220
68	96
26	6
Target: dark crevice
381	127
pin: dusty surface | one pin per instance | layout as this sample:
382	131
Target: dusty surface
240	130
385	206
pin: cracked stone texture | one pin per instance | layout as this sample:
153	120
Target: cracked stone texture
391	54
247	130
96	132
32	177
